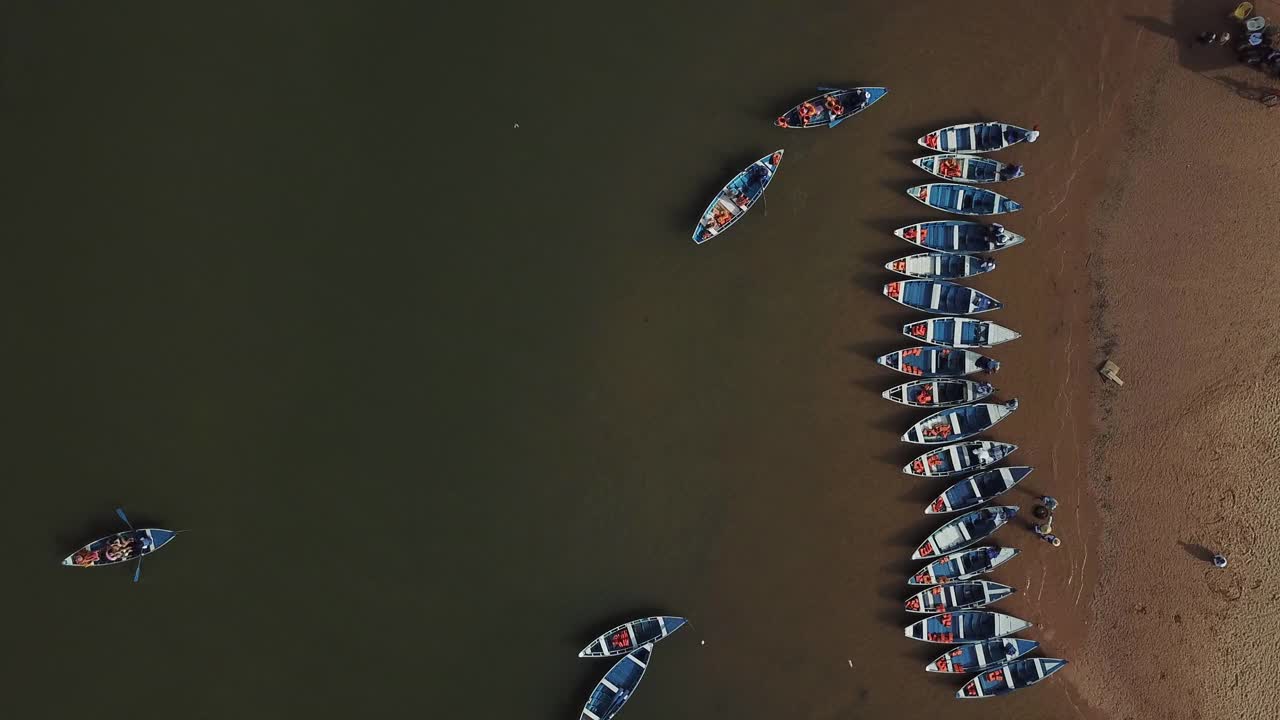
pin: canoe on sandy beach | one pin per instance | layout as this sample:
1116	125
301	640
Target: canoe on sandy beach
941	266
933	361
1005	679
963	565
957	596
976	657
964	531
968	168
959	457
959	236
629	636
939	297
958	332
963	199
940	393
831	108
958	423
965	626
977	489
615	688
737	197
977	137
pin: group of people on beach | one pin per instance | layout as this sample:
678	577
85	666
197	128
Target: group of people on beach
1044	512
1256	40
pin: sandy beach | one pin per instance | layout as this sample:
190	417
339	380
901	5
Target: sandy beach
1182	258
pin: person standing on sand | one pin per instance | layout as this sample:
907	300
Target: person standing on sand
1051	539
1219	560
1046	528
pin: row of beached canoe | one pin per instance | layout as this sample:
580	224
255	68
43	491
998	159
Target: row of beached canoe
955	596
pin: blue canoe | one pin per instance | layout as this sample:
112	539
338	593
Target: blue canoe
977	137
957	596
933	361
977	489
963	199
830	108
632	635
965	626
958	332
963	565
959	236
959	457
737	197
959	423
941	266
120	547
964	531
615	688
939	393
940	298
1004	679
968	168
976	657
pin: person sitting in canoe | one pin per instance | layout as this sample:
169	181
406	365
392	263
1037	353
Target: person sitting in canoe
808	111
982	302
833	106
720	217
1016	134
119	549
85	558
1009	172
987	265
995	233
949	168
924	397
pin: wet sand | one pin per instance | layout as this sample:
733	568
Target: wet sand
1183	270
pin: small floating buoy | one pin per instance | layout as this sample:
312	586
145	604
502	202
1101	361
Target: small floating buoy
704	642
516	126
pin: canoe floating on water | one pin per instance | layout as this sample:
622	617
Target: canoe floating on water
830	108
941	266
629	636
963	199
958	423
959	236
121	547
977	489
958	332
736	198
933	361
965	626
939	393
977	137
1012	676
615	688
963	565
968	168
975	657
964	531
957	596
940	297
959	457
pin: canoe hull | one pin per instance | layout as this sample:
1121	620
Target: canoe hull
966	530
615	688
853	100
932	361
129	545
964	565
940	393
965	626
940	297
959	236
976	657
961	199
957	167
957	596
629	636
941	266
959	332
977	489
1006	678
958	423
958	458
971	138
737	197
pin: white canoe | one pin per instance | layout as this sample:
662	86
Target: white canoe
959	332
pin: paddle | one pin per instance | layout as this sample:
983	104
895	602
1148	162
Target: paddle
137	572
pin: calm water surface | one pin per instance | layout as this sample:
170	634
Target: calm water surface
441	398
